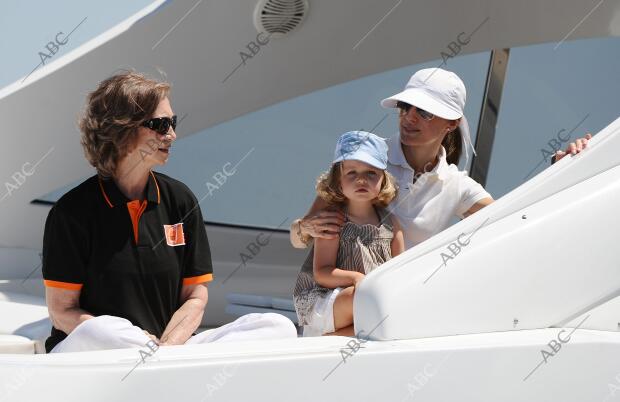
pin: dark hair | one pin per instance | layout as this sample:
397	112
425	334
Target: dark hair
113	113
453	143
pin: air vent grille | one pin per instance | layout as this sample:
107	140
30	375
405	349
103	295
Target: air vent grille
280	17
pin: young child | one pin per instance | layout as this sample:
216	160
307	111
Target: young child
359	185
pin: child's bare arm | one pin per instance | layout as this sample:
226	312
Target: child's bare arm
325	272
398	241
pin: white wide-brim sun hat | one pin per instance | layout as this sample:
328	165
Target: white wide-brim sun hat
439	92
435	90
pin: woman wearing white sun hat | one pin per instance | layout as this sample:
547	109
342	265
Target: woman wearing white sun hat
423	158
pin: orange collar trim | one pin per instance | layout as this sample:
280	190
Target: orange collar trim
109	202
156	185
104	194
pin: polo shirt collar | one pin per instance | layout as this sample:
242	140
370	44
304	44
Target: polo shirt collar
442	168
397	157
395	152
113	196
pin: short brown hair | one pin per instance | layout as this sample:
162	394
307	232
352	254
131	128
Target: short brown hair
113	114
328	188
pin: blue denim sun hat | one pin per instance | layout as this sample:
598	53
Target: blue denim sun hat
362	146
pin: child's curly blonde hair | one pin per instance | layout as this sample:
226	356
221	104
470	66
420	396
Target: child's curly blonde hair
328	188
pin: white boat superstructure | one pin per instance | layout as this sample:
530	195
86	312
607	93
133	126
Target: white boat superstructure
508	267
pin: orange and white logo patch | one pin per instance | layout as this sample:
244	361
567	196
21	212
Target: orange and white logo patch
174	234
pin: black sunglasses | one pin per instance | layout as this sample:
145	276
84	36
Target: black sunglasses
405	107
161	124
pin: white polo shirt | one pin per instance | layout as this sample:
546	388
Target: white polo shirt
426	207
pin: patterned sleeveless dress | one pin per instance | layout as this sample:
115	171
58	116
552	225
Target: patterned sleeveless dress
361	248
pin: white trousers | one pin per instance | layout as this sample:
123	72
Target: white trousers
110	332
322	318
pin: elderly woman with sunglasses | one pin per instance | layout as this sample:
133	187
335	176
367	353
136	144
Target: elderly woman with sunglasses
423	158
126	257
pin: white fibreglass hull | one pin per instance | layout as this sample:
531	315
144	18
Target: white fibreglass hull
507	366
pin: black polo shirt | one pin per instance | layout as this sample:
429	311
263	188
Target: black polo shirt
128	258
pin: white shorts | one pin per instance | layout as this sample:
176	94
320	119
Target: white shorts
322	317
111	332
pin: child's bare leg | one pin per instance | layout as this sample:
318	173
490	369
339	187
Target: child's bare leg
343	309
346	331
